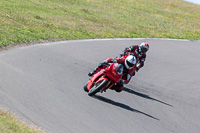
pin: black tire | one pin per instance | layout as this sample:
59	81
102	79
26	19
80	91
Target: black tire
85	88
96	89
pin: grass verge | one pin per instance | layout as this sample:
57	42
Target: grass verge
23	21
10	124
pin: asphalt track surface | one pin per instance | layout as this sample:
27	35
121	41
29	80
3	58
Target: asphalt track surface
43	84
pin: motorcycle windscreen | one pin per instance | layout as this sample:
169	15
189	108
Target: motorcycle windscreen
119	68
115	72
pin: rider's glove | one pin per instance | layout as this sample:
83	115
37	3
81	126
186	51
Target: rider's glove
105	63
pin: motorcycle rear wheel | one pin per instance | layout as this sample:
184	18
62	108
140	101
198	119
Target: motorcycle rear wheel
97	87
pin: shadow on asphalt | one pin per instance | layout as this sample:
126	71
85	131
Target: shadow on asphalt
143	95
121	105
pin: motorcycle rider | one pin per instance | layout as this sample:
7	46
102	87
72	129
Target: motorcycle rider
139	51
129	63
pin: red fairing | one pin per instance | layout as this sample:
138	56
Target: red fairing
111	74
94	78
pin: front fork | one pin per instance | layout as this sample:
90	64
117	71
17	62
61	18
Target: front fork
108	85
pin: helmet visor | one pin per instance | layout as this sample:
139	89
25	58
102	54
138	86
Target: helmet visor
144	50
119	68
129	64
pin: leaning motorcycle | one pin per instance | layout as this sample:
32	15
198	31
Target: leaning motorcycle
104	78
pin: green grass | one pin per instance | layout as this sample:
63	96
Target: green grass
10	124
23	21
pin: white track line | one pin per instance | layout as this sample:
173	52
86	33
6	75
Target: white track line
111	39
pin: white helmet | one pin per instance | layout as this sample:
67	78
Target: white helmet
144	47
130	61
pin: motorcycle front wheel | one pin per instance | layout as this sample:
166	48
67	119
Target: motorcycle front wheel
96	88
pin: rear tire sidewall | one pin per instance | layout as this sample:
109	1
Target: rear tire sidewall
93	91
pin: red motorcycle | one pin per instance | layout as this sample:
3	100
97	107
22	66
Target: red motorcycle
105	78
